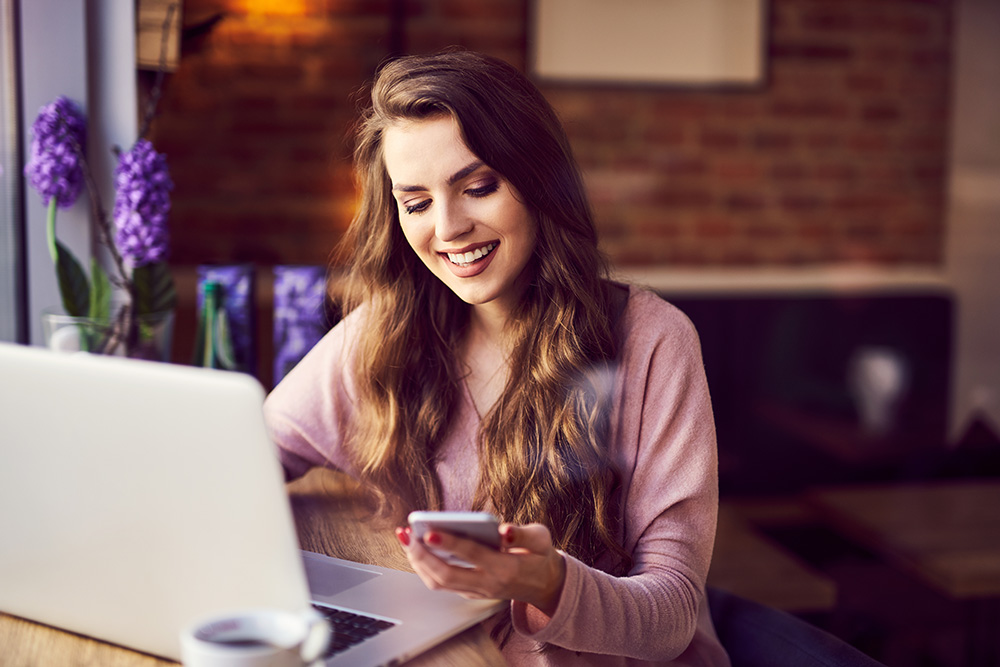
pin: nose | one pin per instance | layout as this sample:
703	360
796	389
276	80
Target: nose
452	222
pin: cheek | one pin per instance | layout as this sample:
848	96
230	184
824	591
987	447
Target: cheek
515	220
528	231
415	234
532	230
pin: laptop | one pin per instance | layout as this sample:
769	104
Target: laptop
138	497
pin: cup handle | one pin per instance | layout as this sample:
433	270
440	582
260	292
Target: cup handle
318	637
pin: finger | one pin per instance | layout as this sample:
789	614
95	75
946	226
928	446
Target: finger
468	550
429	560
533	537
424	564
438	574
421	555
428	566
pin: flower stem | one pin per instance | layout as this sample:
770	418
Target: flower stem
125	323
50	230
100	217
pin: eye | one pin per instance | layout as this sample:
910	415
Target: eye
484	190
419	207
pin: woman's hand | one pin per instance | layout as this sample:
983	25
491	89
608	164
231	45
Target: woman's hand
527	569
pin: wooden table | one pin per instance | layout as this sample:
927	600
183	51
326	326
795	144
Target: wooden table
329	519
747	563
947	534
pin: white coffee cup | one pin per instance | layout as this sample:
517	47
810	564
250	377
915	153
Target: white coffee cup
256	638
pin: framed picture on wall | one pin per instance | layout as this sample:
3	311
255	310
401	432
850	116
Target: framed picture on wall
698	43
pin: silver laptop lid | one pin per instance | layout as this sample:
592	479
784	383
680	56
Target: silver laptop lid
136	497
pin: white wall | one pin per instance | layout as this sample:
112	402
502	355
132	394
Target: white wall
11	262
86	51
112	87
973	245
53	63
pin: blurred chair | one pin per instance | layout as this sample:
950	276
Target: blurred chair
302	314
824	388
756	635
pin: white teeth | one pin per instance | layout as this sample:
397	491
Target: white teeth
464	259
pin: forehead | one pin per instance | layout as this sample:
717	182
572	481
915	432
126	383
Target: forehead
416	151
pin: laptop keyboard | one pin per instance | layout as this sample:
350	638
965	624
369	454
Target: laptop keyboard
350	628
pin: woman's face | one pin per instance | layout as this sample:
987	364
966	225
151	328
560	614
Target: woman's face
465	222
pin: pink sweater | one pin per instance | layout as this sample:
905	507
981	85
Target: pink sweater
662	438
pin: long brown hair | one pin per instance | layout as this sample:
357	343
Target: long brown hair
543	444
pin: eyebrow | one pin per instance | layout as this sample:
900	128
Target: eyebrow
454	178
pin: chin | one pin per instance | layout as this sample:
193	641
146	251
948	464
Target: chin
474	298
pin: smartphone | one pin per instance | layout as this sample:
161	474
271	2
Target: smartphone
481	527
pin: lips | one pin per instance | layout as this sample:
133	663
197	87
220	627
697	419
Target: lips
468	257
470	261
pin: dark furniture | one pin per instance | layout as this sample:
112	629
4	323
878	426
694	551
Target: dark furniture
786	409
755	635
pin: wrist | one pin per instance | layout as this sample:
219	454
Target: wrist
549	600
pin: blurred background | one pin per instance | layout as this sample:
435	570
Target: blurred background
839	154
827	215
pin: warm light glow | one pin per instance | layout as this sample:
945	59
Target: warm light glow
278	7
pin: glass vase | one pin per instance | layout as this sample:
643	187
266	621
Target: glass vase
147	337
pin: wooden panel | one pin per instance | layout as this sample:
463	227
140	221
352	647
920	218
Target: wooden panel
152	19
750	565
947	533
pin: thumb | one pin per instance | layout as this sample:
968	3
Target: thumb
533	537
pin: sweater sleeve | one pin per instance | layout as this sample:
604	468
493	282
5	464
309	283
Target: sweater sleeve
308	413
665	440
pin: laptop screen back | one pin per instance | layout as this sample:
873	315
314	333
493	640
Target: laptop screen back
136	497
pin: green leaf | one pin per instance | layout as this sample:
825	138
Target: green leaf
100	294
73	284
224	342
154	288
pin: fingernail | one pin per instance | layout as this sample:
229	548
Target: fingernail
433	538
508	535
404	536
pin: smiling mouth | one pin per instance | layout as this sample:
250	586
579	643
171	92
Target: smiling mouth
471	257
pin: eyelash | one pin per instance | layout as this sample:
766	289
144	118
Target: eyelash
477	193
485	190
417	208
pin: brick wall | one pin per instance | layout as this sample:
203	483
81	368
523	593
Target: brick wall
841	156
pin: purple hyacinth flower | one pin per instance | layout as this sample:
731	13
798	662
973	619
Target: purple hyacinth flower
55	168
142	201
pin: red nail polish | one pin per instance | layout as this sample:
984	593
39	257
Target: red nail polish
508	536
433	538
404	536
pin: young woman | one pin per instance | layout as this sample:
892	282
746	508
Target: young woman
489	363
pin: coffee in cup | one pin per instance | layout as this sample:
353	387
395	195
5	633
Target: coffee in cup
256	638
